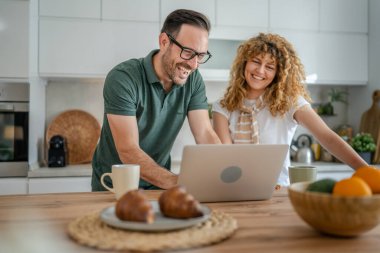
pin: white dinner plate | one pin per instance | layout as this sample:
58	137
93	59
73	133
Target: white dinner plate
161	223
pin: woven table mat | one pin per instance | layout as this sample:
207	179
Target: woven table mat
89	230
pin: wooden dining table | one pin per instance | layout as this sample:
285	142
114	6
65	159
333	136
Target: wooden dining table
38	223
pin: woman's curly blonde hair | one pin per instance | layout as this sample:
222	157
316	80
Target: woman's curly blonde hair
287	84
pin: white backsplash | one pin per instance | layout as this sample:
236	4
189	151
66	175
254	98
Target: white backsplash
69	94
87	95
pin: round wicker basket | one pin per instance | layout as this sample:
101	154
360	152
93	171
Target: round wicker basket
335	215
81	132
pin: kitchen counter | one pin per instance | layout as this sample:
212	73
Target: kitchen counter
38	223
80	170
327	166
85	170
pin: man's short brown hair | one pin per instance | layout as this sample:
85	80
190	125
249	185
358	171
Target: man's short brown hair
177	18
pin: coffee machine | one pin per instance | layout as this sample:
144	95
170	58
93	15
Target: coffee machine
57	152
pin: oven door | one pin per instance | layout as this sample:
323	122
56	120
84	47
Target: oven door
14	139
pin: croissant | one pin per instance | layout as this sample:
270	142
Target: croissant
177	203
134	206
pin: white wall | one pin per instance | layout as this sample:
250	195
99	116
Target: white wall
83	94
361	97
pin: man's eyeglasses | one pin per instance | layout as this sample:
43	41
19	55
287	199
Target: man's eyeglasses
188	53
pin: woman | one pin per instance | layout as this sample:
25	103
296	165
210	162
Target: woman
266	99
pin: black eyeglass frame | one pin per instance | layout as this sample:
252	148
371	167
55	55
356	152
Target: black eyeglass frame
208	55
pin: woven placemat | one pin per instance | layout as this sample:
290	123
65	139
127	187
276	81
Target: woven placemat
89	230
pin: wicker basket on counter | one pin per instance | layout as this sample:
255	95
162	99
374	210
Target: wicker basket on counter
81	132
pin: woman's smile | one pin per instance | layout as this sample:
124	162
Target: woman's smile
259	73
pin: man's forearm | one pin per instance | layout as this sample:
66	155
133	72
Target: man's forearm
207	137
201	127
150	171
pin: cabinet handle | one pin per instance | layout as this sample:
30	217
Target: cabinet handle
7	108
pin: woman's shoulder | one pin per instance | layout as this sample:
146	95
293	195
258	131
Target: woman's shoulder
216	105
297	103
301	101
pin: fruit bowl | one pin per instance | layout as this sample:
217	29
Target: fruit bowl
335	215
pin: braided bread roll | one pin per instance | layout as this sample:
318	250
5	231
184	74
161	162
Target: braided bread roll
134	206
177	203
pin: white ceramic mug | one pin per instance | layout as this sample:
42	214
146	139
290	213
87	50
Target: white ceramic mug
125	177
302	173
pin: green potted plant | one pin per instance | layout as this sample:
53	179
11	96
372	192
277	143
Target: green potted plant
364	145
335	95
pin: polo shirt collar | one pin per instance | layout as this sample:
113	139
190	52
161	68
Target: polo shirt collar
149	70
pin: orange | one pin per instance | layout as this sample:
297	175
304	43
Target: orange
353	186
371	176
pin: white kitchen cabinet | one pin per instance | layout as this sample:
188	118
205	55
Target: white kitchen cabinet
90	48
328	58
305	44
59	184
344	15
14	34
342	58
10	186
79	47
70	8
253	13
294	14
205	7
73	47
132	10
239	19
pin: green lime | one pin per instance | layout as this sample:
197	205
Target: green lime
323	185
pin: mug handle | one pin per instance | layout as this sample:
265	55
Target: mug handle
104	185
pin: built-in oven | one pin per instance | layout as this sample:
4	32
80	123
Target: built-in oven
14	133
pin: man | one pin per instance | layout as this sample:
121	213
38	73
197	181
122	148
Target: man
147	100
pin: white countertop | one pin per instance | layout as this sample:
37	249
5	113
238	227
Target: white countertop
327	167
85	170
80	170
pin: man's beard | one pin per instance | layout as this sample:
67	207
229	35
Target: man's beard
171	69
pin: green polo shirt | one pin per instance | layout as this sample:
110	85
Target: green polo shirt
132	88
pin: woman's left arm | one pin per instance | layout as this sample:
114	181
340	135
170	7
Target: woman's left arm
332	142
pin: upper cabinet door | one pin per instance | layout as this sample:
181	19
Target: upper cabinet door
246	13
344	15
305	45
14	39
90	48
70	8
294	14
133	10
72	47
239	19
342	58
205	7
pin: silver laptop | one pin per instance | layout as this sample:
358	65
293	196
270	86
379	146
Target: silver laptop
231	172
